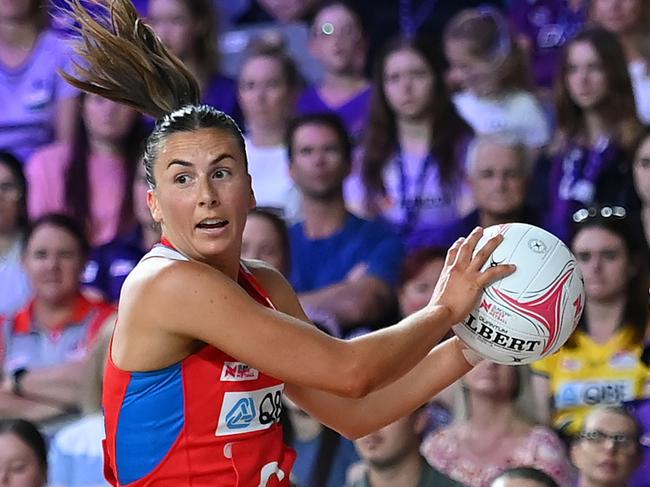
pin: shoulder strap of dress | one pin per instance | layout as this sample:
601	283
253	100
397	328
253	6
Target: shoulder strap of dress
164	251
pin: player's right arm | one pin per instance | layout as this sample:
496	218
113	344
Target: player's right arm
189	301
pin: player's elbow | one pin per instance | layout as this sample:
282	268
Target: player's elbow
357	382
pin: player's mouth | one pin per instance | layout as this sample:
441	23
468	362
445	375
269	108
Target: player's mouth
212	224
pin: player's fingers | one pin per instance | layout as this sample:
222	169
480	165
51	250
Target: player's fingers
484	252
467	247
493	274
453	251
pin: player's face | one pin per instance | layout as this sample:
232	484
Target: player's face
605	462
618	16
390	445
604	262
10	196
493	380
336	39
173	23
54	262
642	171
586	79
416	293
408	84
498	179
107	120
264	94
202	195
318	166
261	241
19	466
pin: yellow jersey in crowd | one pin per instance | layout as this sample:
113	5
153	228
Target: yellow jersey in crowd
591	374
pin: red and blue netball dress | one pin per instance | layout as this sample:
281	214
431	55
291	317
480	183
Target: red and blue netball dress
208	420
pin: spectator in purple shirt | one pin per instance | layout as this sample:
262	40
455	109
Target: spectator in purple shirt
597	129
38	106
339	43
629	20
543	28
411	166
187	27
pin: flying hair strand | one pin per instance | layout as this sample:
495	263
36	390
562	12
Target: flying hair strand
122	59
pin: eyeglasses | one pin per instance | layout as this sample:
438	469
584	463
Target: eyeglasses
606	212
619	440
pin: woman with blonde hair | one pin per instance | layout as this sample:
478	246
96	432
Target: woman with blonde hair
491	73
492	431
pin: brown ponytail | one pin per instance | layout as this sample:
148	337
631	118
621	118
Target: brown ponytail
122	59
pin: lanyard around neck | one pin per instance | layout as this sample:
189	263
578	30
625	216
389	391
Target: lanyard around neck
412	208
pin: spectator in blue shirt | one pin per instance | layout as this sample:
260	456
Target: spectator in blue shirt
341	264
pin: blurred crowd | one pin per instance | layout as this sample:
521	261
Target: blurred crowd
377	133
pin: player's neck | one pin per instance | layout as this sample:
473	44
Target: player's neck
406	473
604	318
323	218
150	235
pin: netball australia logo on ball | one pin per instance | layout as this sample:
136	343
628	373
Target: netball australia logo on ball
537	246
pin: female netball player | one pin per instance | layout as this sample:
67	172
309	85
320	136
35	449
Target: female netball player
206	345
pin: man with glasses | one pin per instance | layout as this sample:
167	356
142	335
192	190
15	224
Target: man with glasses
608	450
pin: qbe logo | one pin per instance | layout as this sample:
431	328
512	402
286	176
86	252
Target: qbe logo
243	412
572	394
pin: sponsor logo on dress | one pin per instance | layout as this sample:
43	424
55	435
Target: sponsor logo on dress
243	412
237	372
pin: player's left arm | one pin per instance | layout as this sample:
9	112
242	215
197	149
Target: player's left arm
355	418
358	417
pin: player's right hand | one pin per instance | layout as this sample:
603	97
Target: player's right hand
461	282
